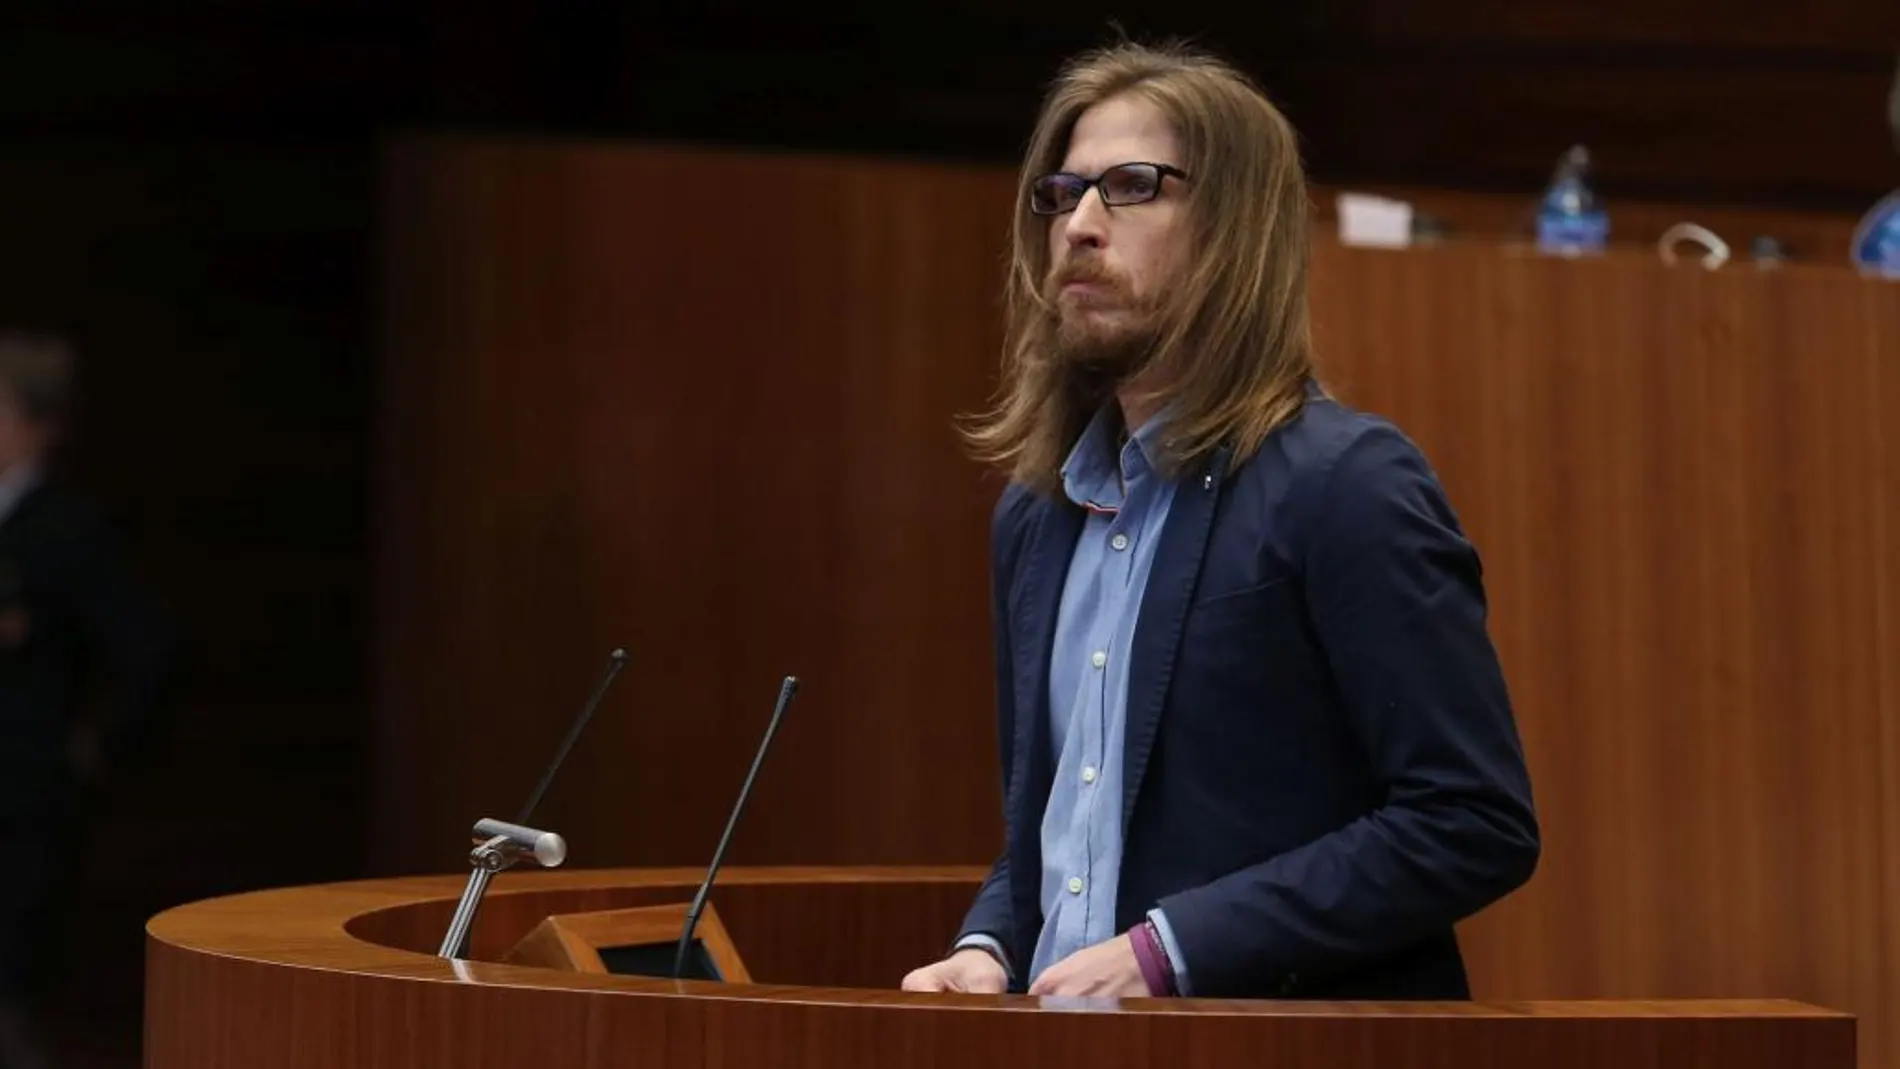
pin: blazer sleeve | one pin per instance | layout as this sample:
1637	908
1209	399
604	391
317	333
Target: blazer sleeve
1394	596
992	913
988	923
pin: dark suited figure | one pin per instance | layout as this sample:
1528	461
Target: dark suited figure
83	656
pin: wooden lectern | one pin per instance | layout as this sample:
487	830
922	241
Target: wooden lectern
345	975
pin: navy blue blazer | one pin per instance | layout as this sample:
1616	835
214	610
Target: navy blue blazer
1322	771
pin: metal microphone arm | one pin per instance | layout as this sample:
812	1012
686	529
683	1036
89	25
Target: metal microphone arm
499	845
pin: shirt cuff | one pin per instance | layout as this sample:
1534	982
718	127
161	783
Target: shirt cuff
990	943
1175	960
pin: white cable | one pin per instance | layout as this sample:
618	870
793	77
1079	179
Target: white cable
1717	249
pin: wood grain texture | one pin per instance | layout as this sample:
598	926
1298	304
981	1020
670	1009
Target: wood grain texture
278	978
719	433
1682	485
722	436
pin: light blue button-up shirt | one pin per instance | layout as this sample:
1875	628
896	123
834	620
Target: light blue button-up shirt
1127	503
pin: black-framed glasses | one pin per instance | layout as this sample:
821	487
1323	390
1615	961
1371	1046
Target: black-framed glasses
1122	184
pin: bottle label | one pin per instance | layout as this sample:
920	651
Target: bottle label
1573	233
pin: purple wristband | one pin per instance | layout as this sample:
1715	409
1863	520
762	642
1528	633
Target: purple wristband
1149	957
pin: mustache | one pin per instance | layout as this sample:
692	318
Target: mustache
1089	270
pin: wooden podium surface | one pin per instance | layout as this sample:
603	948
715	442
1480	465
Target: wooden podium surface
345	975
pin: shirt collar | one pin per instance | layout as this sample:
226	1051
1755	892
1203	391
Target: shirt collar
1096	473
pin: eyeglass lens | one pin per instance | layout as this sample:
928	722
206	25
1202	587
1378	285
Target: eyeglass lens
1128	183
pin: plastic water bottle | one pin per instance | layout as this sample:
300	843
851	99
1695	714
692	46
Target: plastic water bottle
1877	240
1570	220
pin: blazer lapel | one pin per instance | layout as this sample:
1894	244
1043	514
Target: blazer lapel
1164	606
1044	571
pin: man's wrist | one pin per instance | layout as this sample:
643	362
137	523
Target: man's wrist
1151	959
988	944
1170	951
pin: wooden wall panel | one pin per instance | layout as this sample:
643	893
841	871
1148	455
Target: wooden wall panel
1682	485
699	406
719	433
1883	386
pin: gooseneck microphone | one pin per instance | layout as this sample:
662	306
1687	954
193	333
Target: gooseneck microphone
615	662
499	843
785	692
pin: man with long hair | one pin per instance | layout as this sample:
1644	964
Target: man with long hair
1255	738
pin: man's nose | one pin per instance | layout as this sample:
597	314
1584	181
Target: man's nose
1088	223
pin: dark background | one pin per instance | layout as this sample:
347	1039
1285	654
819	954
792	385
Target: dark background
191	194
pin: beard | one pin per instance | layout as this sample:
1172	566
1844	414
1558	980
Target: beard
1106	334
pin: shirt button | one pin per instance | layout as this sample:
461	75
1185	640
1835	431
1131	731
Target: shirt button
1088	774
1120	541
1098	658
1075	885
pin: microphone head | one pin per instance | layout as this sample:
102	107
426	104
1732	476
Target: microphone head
550	849
547	848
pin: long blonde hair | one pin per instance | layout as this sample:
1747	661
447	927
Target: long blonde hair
1234	351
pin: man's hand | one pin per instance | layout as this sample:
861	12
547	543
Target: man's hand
969	971
1107	969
